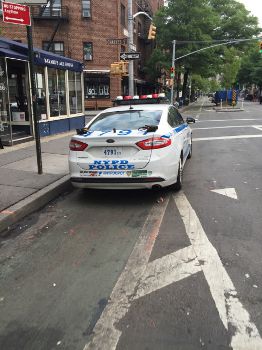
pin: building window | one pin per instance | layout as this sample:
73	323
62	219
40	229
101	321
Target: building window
52	8
123	15
41	92
75	92
96	86
86	8
88	51
56	47
57	94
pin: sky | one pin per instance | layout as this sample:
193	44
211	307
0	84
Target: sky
255	6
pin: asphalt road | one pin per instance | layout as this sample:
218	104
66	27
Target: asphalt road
147	270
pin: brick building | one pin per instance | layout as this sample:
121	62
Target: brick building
80	30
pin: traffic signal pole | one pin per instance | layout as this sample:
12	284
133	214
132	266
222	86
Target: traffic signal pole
173	65
130	48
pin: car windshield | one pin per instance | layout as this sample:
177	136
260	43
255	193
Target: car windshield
125	120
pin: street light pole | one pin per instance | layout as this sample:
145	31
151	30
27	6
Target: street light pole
173	65
130	48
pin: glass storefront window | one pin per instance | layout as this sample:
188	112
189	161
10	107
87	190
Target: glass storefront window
97	86
75	92
57	95
41	93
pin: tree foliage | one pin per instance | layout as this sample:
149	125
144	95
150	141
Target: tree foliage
188	21
251	68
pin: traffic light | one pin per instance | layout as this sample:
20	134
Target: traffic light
152	32
119	68
260	47
172	72
115	68
124	67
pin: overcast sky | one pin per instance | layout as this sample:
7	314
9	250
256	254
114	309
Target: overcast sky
255	6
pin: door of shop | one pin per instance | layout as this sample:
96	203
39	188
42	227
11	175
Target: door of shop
19	100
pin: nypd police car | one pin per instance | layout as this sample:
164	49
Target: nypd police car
140	143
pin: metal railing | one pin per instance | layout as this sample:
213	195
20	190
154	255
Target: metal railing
44	12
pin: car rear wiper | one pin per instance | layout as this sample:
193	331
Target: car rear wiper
149	128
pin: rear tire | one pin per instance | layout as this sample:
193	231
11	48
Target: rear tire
191	150
178	185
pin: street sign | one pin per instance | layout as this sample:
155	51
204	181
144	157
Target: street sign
116	41
30	2
129	56
16	14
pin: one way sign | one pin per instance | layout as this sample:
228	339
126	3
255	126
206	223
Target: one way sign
129	55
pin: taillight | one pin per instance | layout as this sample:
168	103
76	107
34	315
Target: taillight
154	143
76	145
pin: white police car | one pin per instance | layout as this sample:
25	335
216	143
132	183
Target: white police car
132	145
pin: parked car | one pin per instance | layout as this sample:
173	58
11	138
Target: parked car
140	144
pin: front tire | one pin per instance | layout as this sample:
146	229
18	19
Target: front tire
178	185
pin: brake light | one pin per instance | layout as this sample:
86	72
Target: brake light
76	145
154	143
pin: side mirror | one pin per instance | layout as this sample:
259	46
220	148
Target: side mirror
190	120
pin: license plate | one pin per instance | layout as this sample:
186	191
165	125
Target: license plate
112	152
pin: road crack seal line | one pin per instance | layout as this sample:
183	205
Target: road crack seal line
231	311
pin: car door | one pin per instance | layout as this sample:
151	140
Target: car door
177	134
184	129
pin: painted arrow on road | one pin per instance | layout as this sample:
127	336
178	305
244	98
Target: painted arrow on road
228	192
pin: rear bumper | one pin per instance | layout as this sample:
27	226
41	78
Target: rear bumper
116	180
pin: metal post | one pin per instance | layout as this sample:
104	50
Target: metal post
130	48
33	91
173	65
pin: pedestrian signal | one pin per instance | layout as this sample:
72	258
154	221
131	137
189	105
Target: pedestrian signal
260	47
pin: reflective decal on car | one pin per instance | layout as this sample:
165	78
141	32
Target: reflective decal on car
111	165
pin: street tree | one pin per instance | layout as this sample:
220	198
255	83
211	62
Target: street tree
189	21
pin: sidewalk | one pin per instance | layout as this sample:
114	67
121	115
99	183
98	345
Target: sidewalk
22	189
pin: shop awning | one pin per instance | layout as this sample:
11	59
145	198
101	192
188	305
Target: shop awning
42	57
45	58
12	54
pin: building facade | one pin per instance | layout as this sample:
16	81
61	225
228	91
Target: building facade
85	30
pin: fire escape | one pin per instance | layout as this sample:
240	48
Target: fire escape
54	12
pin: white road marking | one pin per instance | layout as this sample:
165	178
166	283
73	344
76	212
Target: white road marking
167	270
228	120
230	309
259	127
226	137
106	335
228	192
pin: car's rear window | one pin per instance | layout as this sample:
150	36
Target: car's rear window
125	120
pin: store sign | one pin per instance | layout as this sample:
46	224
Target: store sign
45	59
16	14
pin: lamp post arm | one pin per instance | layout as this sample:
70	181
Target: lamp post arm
142	13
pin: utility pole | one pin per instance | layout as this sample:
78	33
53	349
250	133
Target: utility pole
130	48
173	65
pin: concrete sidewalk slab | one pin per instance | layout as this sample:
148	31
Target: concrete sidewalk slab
52	164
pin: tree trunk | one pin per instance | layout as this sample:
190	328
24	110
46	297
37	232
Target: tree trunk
178	80
184	89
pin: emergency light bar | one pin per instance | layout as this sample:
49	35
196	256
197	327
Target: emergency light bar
143	99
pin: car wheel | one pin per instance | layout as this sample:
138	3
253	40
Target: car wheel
191	150
178	185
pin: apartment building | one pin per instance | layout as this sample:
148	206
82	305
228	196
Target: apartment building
84	31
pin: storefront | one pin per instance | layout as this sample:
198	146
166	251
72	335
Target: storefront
97	89
60	98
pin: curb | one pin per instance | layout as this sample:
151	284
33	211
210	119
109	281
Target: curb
230	110
32	203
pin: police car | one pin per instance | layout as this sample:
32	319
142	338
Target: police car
140	143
